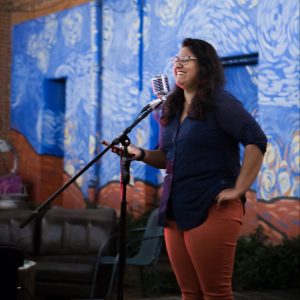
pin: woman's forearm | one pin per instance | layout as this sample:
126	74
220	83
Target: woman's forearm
251	164
155	158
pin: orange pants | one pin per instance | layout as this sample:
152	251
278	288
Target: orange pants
203	257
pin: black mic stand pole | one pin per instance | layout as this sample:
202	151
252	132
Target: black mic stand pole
124	180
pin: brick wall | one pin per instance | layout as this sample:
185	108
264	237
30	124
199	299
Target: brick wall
5	54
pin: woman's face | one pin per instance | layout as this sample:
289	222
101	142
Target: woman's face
186	72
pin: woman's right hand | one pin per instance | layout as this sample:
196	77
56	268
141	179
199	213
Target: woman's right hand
133	152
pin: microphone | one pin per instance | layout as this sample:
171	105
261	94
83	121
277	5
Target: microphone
161	88
160	85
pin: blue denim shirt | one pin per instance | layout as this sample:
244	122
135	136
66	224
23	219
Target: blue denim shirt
203	158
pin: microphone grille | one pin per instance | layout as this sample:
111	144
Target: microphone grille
160	85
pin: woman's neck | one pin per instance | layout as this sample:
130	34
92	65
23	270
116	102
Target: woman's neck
188	96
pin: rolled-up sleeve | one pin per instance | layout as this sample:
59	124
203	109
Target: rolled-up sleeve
236	121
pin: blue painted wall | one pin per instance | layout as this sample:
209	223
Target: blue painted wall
55	86
101	103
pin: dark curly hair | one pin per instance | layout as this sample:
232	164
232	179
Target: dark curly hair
211	76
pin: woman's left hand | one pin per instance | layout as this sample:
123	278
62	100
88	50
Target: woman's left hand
227	195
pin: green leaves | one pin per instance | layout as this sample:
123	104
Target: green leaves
261	265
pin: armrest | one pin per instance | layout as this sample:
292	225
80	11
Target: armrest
145	238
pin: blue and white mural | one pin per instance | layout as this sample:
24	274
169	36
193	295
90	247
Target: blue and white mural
269	90
104	54
55	86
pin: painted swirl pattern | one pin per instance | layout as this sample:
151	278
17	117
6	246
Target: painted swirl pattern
103	95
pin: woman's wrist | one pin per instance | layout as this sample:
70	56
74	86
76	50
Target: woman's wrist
142	155
240	192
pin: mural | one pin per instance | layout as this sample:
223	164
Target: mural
137	40
268	90
56	48
217	23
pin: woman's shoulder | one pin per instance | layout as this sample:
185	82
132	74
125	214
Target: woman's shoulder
222	96
224	99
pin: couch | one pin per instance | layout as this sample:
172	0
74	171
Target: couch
64	244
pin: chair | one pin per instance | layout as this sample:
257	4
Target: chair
147	255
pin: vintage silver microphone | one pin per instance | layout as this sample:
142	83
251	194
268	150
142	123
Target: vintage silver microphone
160	85
161	88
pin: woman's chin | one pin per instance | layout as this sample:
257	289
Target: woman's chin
180	84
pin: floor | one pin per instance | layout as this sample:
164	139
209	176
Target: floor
288	294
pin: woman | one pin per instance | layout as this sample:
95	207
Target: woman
203	196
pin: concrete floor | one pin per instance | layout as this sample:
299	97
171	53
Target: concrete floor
288	294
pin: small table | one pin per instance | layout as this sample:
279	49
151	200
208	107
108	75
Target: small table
26	280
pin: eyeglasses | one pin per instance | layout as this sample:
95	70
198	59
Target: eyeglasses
184	60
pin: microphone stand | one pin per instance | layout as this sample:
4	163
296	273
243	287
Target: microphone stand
125	178
125	163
